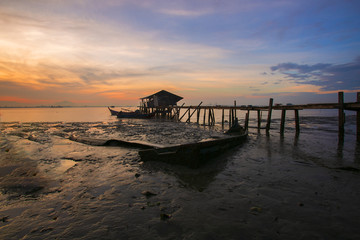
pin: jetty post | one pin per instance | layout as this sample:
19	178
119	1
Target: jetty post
340	105
259	119
358	118
247	116
269	115
204	117
341	115
282	124
234	109
222	118
297	122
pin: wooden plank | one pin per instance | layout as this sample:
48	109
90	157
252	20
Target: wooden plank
355	106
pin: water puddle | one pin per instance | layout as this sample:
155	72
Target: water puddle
64	165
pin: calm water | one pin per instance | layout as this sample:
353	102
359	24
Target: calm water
271	187
93	114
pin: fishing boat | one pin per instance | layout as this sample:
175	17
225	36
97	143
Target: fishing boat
134	114
125	113
113	112
193	155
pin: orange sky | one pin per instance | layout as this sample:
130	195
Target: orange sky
113	53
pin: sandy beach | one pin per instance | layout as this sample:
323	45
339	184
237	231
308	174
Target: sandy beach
305	187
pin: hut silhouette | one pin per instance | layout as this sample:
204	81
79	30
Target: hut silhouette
160	99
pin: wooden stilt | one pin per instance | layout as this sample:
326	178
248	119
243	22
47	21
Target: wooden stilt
209	117
230	117
341	115
282	124
185	113
222	118
234	109
269	115
177	114
358	118
259	119
204	116
198	115
297	122
247	120
213	116
190	115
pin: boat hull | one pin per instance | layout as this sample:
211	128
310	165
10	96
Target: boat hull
135	115
192	155
113	112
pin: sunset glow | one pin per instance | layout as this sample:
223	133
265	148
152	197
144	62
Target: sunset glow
114	52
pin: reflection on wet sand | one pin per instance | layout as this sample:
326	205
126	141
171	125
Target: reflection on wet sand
78	190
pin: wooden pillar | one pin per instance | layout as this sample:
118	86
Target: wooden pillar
358	118
185	113
230	117
198	116
247	120
341	115
234	110
209	117
282	124
177	114
269	115
204	116
213	116
190	115
222	118
259	118
297	122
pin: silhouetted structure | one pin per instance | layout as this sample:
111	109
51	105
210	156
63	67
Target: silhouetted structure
160	99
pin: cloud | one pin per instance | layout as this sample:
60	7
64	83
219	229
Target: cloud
329	77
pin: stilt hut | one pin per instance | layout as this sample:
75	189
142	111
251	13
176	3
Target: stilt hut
160	101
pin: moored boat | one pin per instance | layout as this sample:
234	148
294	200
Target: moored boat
134	114
113	112
193	155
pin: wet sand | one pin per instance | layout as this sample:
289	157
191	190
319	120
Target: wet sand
268	188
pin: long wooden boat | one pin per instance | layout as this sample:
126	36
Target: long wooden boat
193	155
113	112
135	114
130	114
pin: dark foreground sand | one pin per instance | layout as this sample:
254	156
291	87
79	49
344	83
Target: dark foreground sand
268	188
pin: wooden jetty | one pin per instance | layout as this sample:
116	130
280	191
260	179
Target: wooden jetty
173	112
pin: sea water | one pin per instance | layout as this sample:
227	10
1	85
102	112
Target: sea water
271	187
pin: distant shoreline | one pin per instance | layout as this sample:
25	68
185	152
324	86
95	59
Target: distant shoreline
62	106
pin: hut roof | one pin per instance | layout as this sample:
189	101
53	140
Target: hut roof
163	93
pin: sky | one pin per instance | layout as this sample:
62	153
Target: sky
113	52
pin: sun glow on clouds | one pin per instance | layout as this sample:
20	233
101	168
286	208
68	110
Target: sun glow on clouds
118	51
